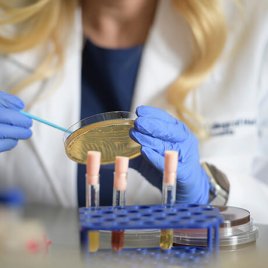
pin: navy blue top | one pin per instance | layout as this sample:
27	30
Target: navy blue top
108	80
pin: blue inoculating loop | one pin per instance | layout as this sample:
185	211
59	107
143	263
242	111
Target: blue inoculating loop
178	216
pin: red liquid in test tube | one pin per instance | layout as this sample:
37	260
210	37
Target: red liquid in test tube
119	198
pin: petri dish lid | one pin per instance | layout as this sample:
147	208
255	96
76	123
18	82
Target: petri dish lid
234	216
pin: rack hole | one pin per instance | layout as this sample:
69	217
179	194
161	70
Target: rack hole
208	209
108	212
158	210
183	209
96	216
133	211
146	215
185	218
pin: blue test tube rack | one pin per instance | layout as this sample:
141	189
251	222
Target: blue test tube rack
177	216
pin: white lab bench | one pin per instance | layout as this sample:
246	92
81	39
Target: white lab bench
62	228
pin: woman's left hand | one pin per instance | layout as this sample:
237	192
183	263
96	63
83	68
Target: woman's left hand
157	131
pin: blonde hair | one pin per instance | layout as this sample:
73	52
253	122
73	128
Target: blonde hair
38	22
46	21
207	23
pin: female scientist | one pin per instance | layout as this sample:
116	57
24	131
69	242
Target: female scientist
205	62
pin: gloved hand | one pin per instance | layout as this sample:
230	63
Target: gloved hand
13	125
157	131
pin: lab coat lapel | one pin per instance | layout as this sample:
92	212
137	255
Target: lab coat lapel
165	55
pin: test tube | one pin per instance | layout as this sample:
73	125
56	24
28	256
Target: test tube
92	193
168	193
119	197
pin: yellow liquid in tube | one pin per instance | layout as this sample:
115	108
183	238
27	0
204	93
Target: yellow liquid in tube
94	241
110	137
166	239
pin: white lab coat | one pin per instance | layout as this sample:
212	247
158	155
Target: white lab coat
232	99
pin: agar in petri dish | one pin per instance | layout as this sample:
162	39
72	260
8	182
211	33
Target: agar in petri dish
107	133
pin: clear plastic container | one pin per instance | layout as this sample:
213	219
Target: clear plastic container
106	132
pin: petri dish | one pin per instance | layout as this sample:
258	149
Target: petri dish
236	230
106	132
133	239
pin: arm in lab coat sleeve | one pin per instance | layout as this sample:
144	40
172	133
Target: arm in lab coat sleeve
252	193
260	165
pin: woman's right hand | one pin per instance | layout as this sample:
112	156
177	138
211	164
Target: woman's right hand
14	126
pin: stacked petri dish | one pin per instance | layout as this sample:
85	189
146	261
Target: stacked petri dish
236	231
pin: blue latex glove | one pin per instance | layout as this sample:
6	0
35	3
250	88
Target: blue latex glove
13	125
157	131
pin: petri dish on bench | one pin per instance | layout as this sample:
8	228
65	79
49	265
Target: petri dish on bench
237	230
106	132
